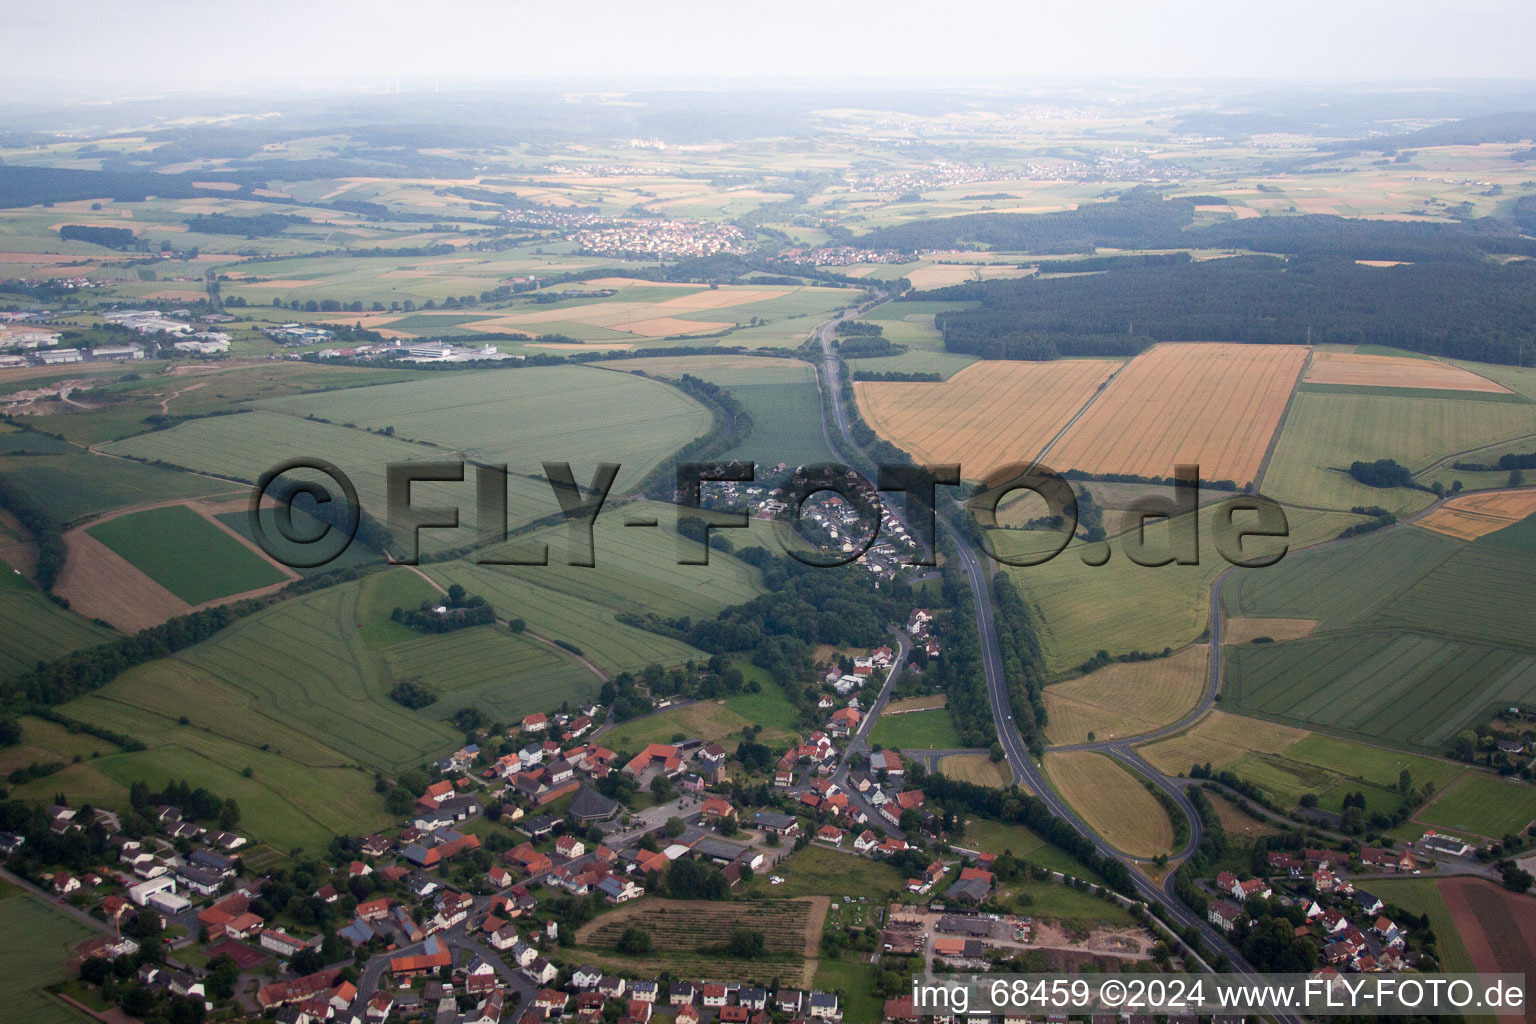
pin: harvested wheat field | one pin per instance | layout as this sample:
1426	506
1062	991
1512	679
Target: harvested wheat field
977	769
1236	823
1476	515
1126	699
988	415
1394	372
1112	801
1245	631
1218	739
1217	405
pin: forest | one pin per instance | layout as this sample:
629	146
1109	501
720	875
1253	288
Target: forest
1484	312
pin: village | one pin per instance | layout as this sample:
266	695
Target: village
463	913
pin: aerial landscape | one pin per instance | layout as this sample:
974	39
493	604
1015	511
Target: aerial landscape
732	543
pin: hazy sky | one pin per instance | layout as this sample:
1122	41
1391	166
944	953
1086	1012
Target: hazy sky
319	43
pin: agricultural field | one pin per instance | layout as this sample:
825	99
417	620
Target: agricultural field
522	417
43	741
1476	515
780	395
977	769
1496	927
1122	607
500	674
1241	828
76	487
37	942
1325	432
916	730
989	415
185	553
36	629
1424	896
1218	739
1249	630
300	791
1214	405
1127	698
1358	370
1483	805
1112	801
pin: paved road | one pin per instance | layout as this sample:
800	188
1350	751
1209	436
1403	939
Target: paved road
1017	755
858	743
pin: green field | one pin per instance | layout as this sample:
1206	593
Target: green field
36	629
1484	805
36	943
576	414
503	675
301	791
1422	896
1324	433
853	981
711	721
73	487
916	730
1420	635
1403	687
285	551
186	554
821	871
1121	606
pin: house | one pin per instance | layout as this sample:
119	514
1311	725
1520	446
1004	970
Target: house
551	1001
733	1015
1224	914
784	825
752	998
433	957
830	834
823	1006
499	876
655	755
65	883
570	847
713	995
887	761
611	987
542	971
788	1001
283	944
535	723
643	991
715	808
616	889
681	993
1448	845
865	842
844	721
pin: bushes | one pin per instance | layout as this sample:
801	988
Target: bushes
47	533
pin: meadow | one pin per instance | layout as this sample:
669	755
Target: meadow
916	730
1422	896
1112	801
977	769
1483	805
37	943
185	553
713	721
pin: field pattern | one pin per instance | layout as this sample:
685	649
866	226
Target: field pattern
1353	368
1125	699
37	943
74	487
1324	433
1403	687
1216	405
1476	515
36	629
1112	801
186	554
523	417
1496	927
990	414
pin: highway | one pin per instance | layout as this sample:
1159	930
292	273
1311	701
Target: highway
1024	768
